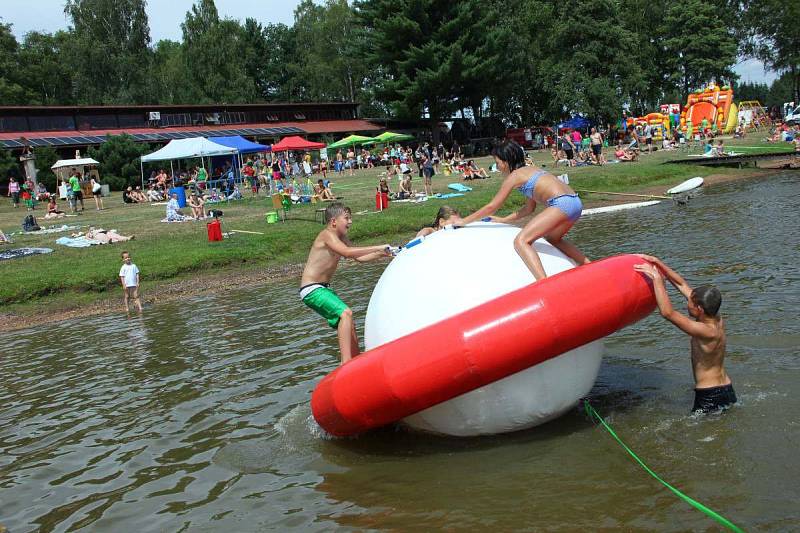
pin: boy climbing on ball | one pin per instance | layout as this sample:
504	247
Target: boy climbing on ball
713	389
331	245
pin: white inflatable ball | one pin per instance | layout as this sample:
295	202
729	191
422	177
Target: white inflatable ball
454	270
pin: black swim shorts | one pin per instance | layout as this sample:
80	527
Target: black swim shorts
713	399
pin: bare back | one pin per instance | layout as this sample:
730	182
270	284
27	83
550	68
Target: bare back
708	354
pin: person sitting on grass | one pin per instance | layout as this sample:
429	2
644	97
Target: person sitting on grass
323	192
154	194
477	172
138	196
197	203
446	216
52	209
328	248
174	211
405	187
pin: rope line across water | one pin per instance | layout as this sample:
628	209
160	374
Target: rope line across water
591	413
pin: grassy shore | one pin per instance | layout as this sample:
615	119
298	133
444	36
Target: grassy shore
180	253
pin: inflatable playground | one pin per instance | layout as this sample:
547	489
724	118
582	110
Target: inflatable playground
711	108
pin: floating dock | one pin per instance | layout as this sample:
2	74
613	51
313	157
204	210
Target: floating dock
734	160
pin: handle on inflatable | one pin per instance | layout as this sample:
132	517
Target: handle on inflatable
482	345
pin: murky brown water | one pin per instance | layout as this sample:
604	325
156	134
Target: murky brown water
196	417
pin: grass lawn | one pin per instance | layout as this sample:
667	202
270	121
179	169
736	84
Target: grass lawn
180	251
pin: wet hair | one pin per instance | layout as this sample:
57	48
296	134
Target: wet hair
334	210
511	153
708	298
122	254
445	213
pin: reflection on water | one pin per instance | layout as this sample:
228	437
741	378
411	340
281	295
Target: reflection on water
195	416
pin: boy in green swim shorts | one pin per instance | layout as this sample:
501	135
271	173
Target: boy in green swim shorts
331	245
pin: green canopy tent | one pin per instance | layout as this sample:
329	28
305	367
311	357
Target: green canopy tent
390	137
350	140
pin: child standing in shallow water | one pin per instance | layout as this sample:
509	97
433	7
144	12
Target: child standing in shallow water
328	248
129	278
713	388
562	211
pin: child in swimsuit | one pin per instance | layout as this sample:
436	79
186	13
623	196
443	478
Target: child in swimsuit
563	207
713	388
328	248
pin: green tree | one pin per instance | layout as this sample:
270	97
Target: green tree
429	54
772	34
9	166
12	89
169	75
751	91
646	20
43	58
327	61
46	157
591	70
212	50
781	90
276	81
701	45
109	51
119	160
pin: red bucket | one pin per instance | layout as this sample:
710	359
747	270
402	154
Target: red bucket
214	231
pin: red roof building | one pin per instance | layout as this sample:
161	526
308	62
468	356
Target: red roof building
81	126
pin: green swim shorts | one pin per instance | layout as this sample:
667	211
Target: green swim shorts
327	304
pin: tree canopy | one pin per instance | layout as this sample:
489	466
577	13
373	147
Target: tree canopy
519	61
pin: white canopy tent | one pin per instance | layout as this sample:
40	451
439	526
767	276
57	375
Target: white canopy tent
61	163
63	167
186	149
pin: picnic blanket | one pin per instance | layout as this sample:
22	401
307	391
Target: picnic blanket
182	219
77	242
460	187
22	252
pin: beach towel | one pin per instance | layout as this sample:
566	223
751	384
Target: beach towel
22	252
77	242
449	195
57	229
460	187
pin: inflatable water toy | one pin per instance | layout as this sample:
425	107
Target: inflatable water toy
485	350
688	185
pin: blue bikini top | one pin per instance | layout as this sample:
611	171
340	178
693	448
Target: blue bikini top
527	188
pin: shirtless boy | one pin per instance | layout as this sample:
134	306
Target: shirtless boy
331	245
713	389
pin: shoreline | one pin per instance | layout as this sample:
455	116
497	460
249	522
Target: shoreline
58	307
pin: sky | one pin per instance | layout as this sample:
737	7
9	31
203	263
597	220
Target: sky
166	17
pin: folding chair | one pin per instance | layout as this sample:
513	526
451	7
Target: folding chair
318	211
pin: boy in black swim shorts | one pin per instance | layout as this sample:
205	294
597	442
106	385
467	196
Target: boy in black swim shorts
713	388
328	248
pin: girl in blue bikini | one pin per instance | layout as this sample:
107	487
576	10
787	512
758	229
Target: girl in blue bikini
563	207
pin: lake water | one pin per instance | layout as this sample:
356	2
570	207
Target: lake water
196	416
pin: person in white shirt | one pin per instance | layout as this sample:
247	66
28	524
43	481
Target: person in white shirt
129	278
173	210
